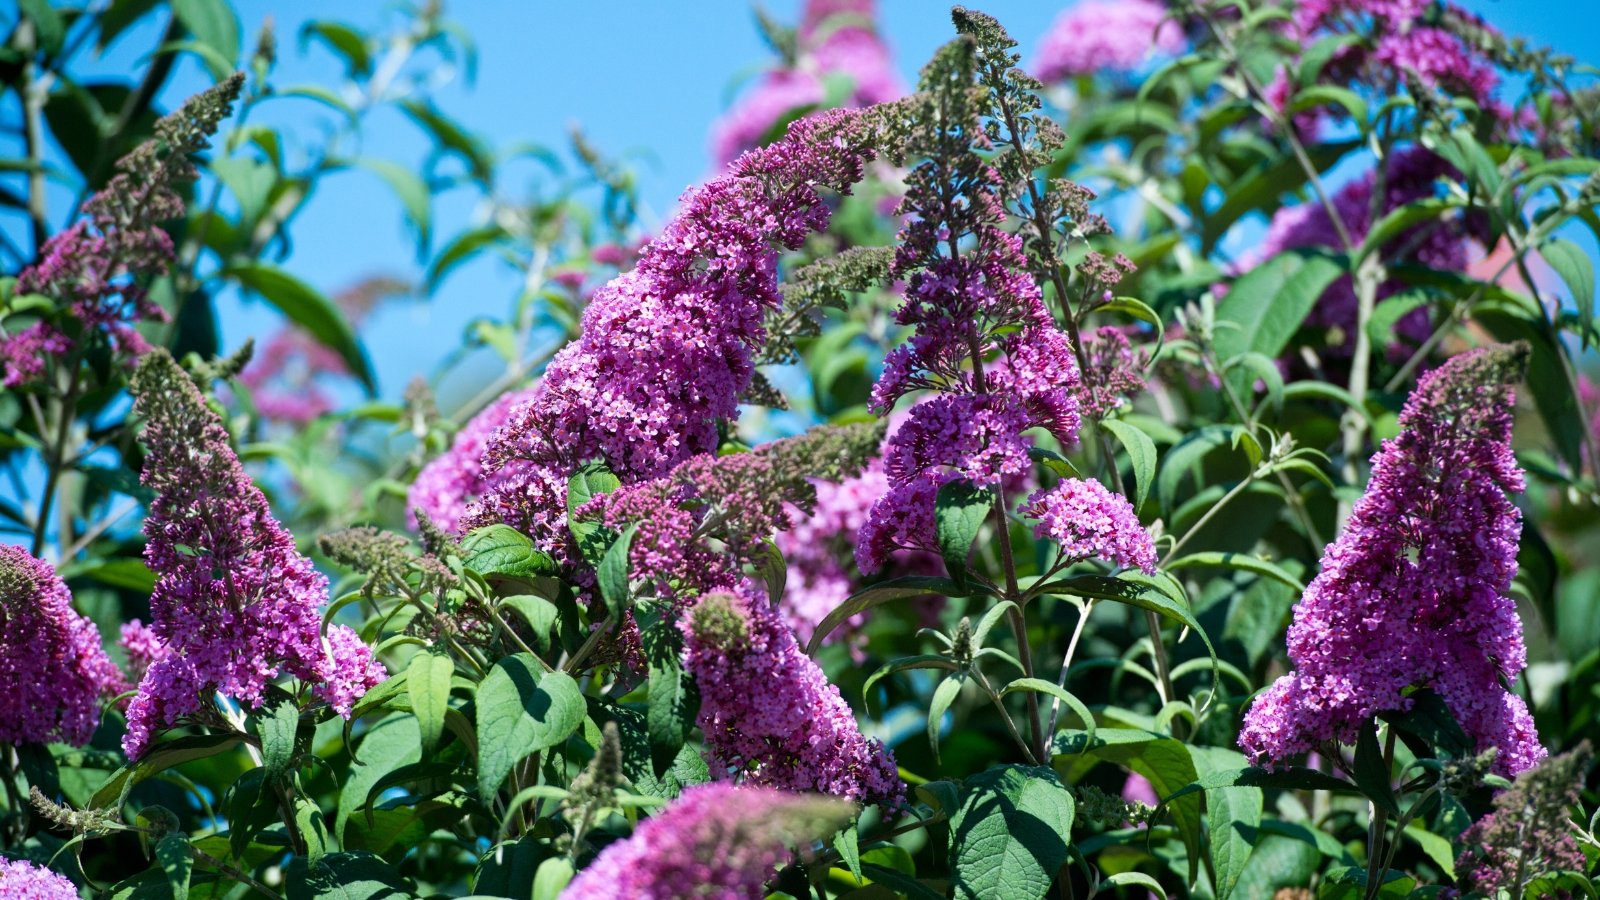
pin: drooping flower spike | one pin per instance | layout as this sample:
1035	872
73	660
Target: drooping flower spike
234	603
769	715
53	670
715	840
1414	594
666	349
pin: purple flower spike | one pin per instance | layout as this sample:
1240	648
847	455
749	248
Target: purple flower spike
1413	593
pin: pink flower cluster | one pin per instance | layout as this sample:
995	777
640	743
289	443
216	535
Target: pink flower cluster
1413	593
1088	521
666	348
836	39
449	483
1114	374
140	644
965	310
795	732
22	880
715	840
1410	174
234	601
1107	36
818	547
53	670
1399	46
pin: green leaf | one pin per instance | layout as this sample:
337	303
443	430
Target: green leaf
590	481
391	744
673	703
1009	836
904	663
1164	762
428	686
502	550
1268	303
1400	220
959	513
413	194
1328	94
1351	884
158	759
1233	815
522	709
1430	720
1141	452
1277	862
848	843
1040	686
50	29
277	723
308	308
1125	879
552	878
943	695
879	594
172	852
213	24
343	40
1133	590
1239	561
462	248
1575	268
540	614
613	573
345	876
1372	773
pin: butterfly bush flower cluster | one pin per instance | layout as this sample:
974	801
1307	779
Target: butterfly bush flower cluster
141	646
53	670
22	880
1403	45
1410	174
837	39
1107	36
98	267
715	840
667	347
1413	593
1113	376
1088	521
984	340
1528	832
234	602
449	483
696	528
794	731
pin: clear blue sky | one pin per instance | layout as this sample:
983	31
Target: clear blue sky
638	75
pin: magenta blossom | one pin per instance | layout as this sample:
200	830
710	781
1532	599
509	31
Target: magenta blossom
715	840
452	480
837	39
795	732
667	348
53	670
234	603
1090	522
1106	36
1414	594
22	880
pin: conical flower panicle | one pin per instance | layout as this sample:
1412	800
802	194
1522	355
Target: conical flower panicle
715	840
770	716
667	348
234	603
53	670
1413	594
